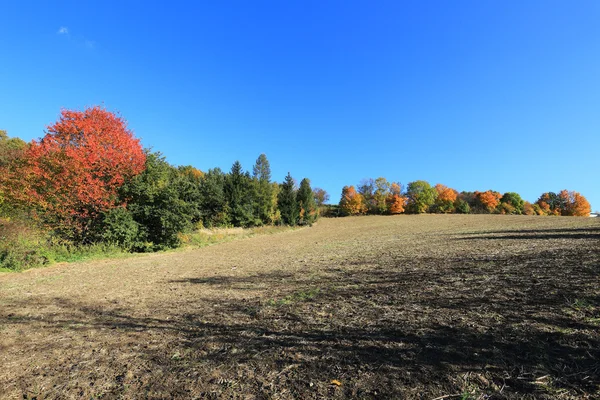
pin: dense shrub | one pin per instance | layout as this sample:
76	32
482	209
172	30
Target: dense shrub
156	204
20	245
118	228
462	207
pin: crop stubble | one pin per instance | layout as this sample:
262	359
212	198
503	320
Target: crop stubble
387	307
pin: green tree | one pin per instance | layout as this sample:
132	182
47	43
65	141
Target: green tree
240	195
265	209
551	203
275	188
11	149
366	189
156	204
214	209
420	197
119	228
262	169
382	192
286	201
188	184
461	206
307	208
511	203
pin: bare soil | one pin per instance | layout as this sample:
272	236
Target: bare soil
414	307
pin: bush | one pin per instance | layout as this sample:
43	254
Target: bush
17	258
20	246
462	207
156	205
329	210
118	228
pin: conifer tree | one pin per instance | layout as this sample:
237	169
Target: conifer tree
262	169
264	206
307	208
214	207
239	194
287	202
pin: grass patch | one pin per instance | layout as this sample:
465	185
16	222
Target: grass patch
297	297
208	237
22	247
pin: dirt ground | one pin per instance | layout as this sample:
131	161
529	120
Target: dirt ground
414	307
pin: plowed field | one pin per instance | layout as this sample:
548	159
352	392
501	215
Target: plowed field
415	307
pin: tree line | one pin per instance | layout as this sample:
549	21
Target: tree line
89	180
378	196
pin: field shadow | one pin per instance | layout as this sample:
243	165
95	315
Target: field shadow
527	234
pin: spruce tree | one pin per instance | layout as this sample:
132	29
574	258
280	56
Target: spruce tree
286	201
214	207
307	208
238	190
262	169
263	204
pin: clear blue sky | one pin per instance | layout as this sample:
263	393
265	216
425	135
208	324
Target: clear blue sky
477	95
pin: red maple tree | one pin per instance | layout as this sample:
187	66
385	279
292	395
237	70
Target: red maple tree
74	172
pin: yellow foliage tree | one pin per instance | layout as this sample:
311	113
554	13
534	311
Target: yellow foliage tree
396	203
352	203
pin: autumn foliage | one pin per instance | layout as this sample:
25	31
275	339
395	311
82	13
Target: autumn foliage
421	197
396	203
528	208
90	181
489	199
445	193
574	204
352	203
74	172
446	197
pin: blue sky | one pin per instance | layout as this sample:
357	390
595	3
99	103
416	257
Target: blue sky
478	95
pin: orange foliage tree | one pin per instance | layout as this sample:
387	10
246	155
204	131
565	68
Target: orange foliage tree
73	174
550	204
574	204
352	203
395	201
528	208
445	198
193	174
488	199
